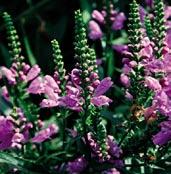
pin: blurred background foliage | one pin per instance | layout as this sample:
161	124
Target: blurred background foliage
40	21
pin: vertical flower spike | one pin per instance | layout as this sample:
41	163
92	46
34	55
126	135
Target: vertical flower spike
149	29
59	64
85	55
135	33
81	46
93	63
101	139
159	27
13	39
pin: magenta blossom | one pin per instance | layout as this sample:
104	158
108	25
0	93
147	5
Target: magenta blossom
6	132
152	83
11	77
98	98
45	134
119	21
164	135
125	80
77	166
94	31
98	16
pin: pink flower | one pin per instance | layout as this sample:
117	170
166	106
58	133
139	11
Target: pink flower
98	98
77	166
8	74
33	73
146	52
101	101
94	31
104	85
51	94
36	86
164	136
50	82
75	77
6	132
119	21
152	83
45	134
71	102
48	103
120	48
98	16
125	80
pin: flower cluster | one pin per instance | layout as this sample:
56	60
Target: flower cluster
49	85
149	67
99	19
68	121
80	90
15	131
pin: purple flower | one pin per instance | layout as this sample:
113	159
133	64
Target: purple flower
17	139
36	86
125	80
167	63
146	52
162	103
120	48
101	101
98	98
71	102
6	132
51	83
164	135
48	103
167	12
51	94
33	73
149	2
99	61
104	86
75	77
119	21
114	149
168	38
45	134
96	152
98	16
8	74
126	70
152	83
77	166
94	31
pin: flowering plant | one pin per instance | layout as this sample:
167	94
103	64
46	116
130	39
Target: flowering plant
82	120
